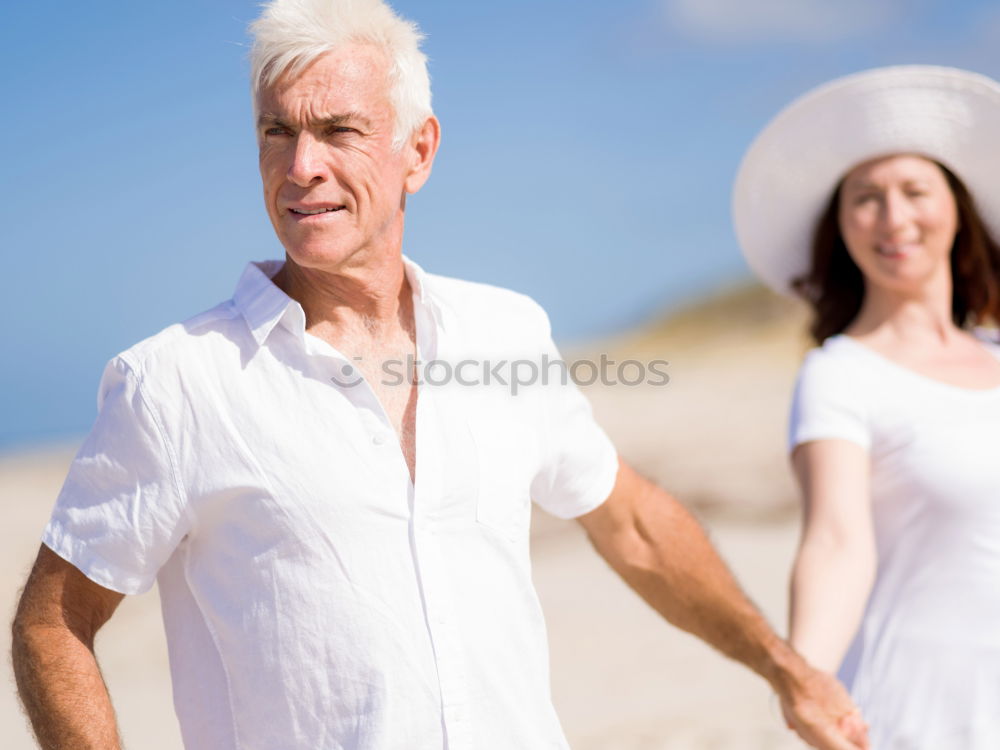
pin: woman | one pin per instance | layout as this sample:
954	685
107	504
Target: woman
876	198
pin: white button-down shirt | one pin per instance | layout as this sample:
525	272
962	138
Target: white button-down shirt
313	596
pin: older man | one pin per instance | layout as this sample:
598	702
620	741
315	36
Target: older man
343	555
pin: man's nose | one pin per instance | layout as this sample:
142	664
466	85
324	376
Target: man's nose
307	166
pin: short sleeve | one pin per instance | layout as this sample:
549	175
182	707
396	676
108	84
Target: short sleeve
827	403
120	513
580	463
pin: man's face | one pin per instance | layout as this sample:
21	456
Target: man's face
333	185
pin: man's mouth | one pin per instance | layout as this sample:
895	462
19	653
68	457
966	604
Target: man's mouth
315	211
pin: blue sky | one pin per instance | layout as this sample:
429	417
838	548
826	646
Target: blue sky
587	157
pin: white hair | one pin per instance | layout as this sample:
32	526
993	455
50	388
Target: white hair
290	34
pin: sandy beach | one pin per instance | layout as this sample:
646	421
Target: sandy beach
622	679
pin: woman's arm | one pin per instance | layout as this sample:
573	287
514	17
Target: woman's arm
836	561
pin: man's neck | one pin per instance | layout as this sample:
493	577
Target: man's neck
373	300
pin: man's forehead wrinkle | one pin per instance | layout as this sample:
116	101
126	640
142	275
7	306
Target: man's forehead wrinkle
315	114
349	72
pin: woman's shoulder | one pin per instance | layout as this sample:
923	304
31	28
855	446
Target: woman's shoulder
836	371
837	357
833	396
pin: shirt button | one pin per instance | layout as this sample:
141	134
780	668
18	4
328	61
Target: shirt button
379	438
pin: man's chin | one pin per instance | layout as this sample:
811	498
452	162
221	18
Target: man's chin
317	255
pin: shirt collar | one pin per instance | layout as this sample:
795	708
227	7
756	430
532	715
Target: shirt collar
423	290
263	305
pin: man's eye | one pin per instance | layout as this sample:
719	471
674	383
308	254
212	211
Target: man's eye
276	131
339	129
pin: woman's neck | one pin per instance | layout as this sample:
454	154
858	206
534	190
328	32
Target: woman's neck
921	317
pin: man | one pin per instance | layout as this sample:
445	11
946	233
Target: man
342	555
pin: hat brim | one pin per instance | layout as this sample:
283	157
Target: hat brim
789	173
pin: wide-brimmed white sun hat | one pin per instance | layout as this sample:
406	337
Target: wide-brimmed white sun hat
788	175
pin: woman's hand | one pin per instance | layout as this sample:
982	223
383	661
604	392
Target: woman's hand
816	706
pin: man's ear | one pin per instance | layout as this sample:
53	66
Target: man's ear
422	147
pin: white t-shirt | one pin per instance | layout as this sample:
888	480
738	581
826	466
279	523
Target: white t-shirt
924	666
313	596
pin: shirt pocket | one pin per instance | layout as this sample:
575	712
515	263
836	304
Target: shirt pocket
505	456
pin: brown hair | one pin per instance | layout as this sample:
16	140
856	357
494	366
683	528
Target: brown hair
835	288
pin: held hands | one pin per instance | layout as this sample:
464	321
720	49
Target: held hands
818	708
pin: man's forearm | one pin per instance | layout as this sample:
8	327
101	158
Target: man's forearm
659	548
62	690
664	554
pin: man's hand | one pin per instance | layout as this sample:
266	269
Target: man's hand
818	708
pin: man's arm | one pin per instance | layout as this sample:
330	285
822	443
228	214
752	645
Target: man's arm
662	552
57	676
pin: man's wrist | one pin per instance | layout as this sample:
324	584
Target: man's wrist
783	668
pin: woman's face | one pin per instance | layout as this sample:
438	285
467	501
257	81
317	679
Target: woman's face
898	218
